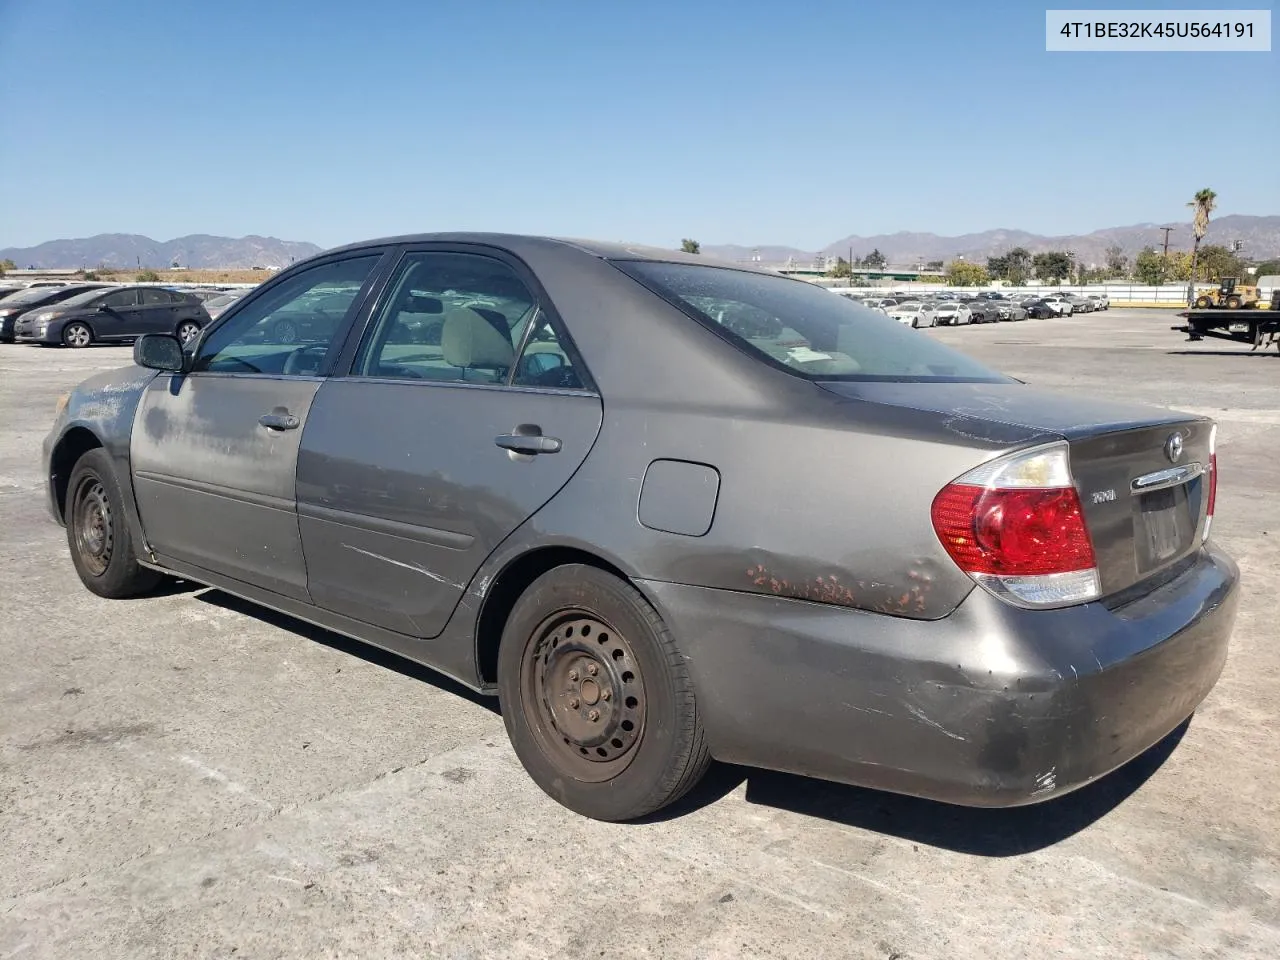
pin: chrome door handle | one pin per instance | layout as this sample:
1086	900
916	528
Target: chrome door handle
526	444
279	421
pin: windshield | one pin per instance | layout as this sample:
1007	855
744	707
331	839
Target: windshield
80	299
802	328
31	295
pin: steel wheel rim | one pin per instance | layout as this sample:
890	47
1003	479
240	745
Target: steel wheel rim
78	336
575	667
95	539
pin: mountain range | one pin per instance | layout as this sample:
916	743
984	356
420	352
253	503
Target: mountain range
131	250
1260	237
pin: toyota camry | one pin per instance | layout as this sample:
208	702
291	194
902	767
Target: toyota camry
669	510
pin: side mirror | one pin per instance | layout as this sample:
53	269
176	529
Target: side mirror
159	351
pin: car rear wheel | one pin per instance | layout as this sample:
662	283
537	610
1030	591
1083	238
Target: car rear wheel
102	548
188	330
596	698
77	335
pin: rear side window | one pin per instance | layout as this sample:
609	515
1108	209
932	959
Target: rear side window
802	328
152	297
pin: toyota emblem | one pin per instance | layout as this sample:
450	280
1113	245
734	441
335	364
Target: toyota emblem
1173	448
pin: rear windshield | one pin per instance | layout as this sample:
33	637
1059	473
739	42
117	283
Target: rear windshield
801	328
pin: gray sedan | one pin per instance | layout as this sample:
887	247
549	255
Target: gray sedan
669	510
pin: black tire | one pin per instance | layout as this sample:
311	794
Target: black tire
98	533
1234	303
187	331
77	335
582	632
1203	303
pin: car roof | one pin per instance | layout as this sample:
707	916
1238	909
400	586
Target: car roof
517	242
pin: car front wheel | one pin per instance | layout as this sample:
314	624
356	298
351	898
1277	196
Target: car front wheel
102	549
596	698
77	335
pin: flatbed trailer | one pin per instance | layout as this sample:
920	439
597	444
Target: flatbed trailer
1260	327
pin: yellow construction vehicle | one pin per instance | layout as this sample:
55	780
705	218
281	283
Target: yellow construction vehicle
1231	293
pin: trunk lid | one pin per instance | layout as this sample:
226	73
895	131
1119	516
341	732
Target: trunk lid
1144	494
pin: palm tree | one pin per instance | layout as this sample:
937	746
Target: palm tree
1203	204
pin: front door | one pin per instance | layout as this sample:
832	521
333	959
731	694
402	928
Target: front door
215	451
117	315
466	409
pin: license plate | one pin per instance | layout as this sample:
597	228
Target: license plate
1165	526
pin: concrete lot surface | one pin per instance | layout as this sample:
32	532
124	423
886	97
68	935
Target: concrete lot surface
186	776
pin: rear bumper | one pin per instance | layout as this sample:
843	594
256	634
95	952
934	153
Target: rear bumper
991	706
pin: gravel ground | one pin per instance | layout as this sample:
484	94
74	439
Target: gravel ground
187	776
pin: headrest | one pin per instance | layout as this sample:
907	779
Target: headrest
469	340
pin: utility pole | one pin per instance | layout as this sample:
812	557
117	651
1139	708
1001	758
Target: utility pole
1166	241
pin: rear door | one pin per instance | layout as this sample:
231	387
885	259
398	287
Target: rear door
215	452
155	311
465	410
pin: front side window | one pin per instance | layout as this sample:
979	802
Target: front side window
449	316
801	328
121	298
291	327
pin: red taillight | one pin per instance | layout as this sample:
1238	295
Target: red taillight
1016	526
1016	532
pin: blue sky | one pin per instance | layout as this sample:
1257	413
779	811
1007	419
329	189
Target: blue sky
724	121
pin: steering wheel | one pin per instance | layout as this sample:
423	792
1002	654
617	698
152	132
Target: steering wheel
296	358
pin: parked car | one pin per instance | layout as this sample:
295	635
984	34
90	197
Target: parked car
1015	310
113	315
982	311
215	305
1041	309
952	313
7	289
914	314
611	555
1100	301
1079	303
1062	307
32	298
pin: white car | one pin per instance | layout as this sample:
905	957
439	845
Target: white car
1100	301
952	313
1062	307
914	314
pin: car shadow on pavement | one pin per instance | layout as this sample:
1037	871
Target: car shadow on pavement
354	648
980	831
1223	353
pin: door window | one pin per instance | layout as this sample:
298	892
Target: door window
449	316
121	298
546	360
291	327
151	298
